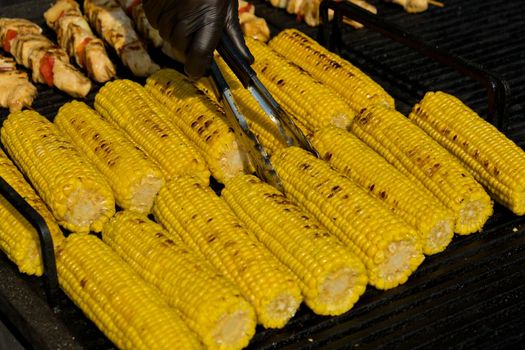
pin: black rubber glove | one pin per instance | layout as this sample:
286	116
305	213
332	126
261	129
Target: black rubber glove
194	27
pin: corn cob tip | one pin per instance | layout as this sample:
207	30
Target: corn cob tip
439	237
279	309
232	327
400	259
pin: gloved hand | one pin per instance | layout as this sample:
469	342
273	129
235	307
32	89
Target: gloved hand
194	27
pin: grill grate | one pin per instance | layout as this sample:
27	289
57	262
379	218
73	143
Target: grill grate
470	295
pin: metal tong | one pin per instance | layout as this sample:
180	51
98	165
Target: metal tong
288	130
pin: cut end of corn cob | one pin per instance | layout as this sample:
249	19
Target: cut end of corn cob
279	309
144	192
339	291
494	160
401	258
232	327
439	237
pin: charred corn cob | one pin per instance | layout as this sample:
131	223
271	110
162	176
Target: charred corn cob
420	158
211	306
134	179
495	161
130	107
131	313
201	121
18	239
408	199
330	276
77	194
390	249
258	121
359	90
310	102
208	226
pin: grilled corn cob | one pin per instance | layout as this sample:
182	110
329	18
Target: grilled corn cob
130	107
330	276
359	90
257	119
310	102
495	161
408	199
201	121
207	225
390	249
134	179
18	239
130	312
77	194
211	306
420	158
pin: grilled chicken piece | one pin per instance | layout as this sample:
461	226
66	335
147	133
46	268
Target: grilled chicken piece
75	36
16	91
49	63
11	27
412	6
116	28
365	5
251	25
279	3
135	10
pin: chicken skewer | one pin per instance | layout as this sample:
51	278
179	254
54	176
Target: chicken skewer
135	10
415	6
251	25
16	91
48	62
75	36
116	28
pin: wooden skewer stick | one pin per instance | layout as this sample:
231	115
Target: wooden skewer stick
436	3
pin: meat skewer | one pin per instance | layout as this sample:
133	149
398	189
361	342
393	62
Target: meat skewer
16	91
116	28
415	6
252	25
135	10
75	36
49	63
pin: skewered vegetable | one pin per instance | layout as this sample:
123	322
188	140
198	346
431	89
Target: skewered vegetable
18	239
390	249
131	313
201	121
79	198
408	199
130	107
208	226
75	36
420	158
330	276
358	89
112	23
48	63
134	179
211	306
494	160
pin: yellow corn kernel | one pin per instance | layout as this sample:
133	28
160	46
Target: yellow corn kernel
134	179
390	249
201	121
494	160
131	108
130	312
420	158
18	239
313	104
330	276
358	89
207	225
211	306
77	194
408	199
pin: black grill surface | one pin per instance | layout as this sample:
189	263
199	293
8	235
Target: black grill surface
471	295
